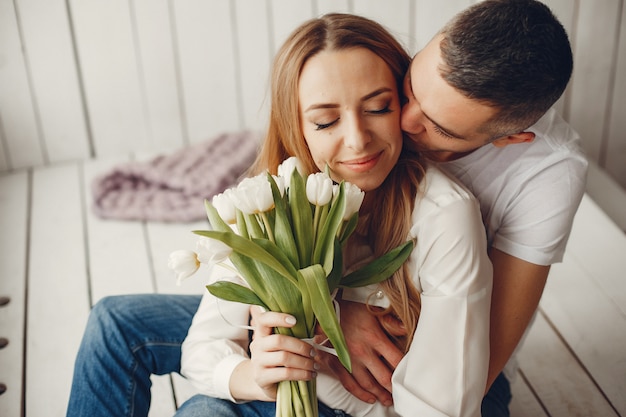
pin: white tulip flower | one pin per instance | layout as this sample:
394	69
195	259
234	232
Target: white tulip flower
184	263
212	251
286	168
253	195
225	207
319	189
354	199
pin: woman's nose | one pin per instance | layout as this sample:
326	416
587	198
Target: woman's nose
356	136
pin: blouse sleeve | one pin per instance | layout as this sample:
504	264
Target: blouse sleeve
445	371
215	344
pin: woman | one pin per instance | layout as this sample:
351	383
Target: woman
336	101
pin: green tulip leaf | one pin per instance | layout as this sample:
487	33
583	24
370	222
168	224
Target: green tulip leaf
314	278
301	216
324	251
379	269
247	248
234	292
282	227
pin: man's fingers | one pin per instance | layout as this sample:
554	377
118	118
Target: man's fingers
360	383
331	365
384	358
381	389
393	326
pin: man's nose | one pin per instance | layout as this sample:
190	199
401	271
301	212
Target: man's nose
411	118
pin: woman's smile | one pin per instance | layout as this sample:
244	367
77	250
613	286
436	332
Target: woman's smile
363	164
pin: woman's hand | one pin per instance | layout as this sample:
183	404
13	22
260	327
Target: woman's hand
274	357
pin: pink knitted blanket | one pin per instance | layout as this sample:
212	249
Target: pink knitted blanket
172	188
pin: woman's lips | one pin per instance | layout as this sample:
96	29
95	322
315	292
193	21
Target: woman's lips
363	164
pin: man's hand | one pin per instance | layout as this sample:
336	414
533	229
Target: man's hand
373	355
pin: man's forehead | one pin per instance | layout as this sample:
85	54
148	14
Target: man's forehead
424	59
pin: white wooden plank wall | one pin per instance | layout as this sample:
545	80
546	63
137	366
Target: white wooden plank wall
85	78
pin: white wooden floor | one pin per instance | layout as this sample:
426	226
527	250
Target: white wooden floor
57	259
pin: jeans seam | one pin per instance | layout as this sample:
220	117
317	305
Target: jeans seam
141	345
133	388
135	365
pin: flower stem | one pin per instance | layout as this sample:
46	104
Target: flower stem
268	229
228	267
308	395
316	220
298	400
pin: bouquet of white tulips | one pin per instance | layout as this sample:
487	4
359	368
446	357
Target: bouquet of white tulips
288	248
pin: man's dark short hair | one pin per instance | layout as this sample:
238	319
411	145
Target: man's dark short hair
511	54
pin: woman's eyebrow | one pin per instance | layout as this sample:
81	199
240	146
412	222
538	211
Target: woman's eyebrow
377	92
318	106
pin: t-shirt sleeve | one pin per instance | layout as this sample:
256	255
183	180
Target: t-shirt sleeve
538	220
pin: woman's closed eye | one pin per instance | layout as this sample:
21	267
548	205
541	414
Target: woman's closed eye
322	126
383	110
374	111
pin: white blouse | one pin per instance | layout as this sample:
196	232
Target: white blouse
444	372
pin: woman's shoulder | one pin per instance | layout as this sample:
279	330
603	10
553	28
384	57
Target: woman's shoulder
440	189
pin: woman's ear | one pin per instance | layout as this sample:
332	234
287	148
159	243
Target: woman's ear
522	137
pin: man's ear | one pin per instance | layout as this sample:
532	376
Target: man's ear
522	137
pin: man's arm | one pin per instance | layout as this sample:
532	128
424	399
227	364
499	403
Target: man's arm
517	289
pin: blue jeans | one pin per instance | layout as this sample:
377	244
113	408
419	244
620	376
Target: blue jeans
202	406
127	339
496	402
130	337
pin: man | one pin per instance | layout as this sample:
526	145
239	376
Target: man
476	98
478	104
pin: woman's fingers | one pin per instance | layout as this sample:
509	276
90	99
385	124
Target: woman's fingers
265	321
277	357
274	367
280	350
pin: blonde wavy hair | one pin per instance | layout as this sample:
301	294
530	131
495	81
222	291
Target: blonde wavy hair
396	196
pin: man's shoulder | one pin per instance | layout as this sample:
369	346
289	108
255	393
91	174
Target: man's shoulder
555	134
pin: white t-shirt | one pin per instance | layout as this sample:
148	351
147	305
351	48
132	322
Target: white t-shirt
528	193
445	370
